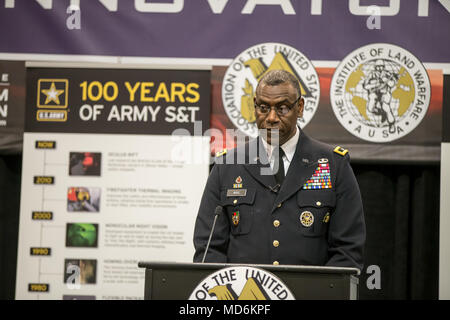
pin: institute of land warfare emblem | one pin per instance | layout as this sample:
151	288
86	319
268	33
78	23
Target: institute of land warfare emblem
243	74
241	283
380	92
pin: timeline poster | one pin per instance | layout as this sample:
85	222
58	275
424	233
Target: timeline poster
114	166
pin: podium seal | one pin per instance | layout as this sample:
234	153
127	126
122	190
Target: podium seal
241	283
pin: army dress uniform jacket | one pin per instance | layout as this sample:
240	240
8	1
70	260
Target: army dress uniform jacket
315	218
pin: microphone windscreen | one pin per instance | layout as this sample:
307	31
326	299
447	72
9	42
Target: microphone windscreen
219	210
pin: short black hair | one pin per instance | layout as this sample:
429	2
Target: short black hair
276	77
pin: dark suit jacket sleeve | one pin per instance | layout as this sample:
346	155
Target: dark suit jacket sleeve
347	231
217	251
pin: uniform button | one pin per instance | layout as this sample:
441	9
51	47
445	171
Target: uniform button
276	243
279	205
318	203
275	263
276	223
235	201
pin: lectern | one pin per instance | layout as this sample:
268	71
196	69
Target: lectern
177	281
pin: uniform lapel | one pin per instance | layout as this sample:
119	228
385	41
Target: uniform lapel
302	167
258	165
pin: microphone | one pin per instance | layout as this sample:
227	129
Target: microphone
217	212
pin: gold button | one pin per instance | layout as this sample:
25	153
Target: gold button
318	203
275	263
276	223
276	243
279	205
235	201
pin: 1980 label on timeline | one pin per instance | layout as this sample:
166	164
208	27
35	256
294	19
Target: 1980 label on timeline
38	287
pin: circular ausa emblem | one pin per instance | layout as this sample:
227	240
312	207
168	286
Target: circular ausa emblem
242	76
380	92
241	283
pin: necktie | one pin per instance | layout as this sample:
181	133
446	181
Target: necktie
279	163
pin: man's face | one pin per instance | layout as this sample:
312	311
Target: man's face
273	96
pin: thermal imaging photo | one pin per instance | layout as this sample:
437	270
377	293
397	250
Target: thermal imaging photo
83	199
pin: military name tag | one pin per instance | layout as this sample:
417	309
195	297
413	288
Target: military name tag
236	192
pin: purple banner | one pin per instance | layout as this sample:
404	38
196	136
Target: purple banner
321	29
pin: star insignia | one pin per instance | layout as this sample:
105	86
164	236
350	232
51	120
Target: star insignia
52	94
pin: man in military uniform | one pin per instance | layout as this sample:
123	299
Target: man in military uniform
307	211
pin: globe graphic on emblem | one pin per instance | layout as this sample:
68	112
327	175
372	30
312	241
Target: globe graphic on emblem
379	92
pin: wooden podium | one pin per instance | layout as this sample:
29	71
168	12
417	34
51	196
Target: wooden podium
176	281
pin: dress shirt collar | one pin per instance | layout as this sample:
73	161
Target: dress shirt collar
288	147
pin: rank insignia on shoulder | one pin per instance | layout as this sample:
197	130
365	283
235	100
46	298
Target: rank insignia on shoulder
221	153
340	150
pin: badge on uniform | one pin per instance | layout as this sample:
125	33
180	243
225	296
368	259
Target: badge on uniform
306	219
321	179
236	193
235	218
238	183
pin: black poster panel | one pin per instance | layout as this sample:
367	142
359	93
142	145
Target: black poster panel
446	110
12	105
117	101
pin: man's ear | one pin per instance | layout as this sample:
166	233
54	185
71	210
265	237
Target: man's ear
301	106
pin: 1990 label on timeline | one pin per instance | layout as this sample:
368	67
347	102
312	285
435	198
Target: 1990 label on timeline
40	251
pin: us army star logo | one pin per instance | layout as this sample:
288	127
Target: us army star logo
52	94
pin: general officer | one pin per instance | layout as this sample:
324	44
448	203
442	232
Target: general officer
306	211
